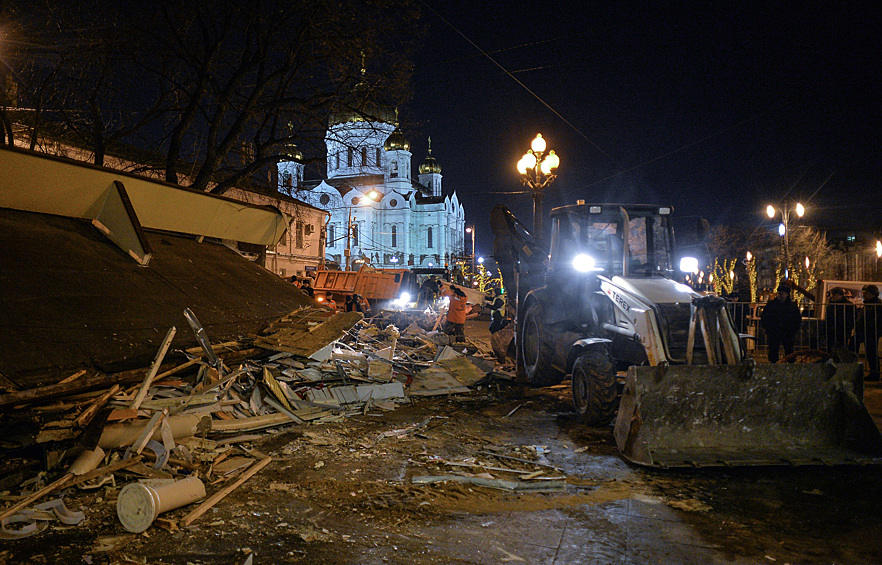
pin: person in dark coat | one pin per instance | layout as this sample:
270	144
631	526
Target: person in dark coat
781	318
839	315
306	286
428	291
353	304
868	327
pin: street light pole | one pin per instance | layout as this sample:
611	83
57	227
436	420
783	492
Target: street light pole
537	172
784	230
471	230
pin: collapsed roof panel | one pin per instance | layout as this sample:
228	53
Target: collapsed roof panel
36	182
71	298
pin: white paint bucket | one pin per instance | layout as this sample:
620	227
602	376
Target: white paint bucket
140	503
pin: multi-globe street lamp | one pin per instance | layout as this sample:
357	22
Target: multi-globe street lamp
784	229
537	172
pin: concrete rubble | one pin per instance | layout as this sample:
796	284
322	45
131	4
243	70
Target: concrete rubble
179	432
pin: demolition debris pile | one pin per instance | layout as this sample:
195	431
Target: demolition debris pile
175	435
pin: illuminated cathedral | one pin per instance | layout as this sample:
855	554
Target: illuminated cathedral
395	219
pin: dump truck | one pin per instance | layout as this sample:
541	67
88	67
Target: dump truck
663	360
378	287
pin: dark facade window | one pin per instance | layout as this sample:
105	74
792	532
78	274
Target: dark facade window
287	180
349	158
299	238
394	236
379	158
429	239
324	199
337	158
393	170
364	161
355	235
331	235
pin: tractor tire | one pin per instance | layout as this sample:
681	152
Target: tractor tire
536	352
595	395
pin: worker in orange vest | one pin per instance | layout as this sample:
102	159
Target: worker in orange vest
456	313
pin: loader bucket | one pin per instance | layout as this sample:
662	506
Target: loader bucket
729	415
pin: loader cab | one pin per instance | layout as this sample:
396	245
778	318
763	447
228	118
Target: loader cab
611	240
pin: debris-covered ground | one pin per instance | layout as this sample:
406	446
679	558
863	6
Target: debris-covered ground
390	446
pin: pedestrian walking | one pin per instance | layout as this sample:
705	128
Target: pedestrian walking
781	319
867	328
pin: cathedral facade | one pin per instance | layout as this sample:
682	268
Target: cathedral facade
380	214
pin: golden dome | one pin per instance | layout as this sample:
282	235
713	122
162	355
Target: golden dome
293	153
430	165
396	141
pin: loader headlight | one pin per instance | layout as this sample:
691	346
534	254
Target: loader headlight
583	263
402	300
689	265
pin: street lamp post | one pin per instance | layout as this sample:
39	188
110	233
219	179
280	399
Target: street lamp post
878	256
471	230
372	195
784	229
537	172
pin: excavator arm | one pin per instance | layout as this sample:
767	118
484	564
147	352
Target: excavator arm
520	255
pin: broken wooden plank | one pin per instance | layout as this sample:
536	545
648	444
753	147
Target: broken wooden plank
148	431
250	424
295	336
179	401
154	368
175	370
28	500
283	410
439	391
238	439
86	415
224	345
221	494
82	384
73	377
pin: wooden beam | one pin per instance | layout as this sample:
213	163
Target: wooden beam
28	500
219	495
154	368
82	384
86	415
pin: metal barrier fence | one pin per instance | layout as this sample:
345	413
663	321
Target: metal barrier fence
826	327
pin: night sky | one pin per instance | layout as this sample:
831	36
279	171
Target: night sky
717	111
